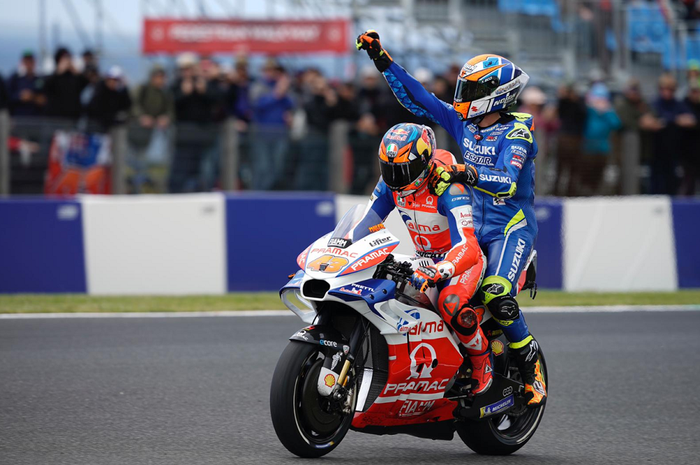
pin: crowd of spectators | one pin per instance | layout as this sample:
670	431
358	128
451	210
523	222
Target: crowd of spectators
587	137
284	118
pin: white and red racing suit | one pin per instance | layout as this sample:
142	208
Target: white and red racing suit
442	229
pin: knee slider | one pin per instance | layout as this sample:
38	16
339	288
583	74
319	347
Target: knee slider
496	296
465	321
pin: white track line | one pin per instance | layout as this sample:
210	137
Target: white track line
244	313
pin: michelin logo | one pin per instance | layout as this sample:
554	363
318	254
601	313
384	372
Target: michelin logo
497	407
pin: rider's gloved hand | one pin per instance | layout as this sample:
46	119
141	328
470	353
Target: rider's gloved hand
369	40
429	276
446	175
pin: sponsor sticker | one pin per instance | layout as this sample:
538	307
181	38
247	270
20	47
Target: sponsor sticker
499	406
497	347
329	380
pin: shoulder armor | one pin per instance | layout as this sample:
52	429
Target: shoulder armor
520	131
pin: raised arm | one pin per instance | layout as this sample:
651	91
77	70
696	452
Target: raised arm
408	91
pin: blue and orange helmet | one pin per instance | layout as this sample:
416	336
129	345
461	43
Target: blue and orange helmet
487	83
404	156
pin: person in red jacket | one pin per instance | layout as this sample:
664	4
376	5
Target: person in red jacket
442	230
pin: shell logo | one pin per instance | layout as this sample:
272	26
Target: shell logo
497	347
329	380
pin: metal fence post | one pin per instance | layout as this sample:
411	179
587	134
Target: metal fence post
119	147
629	162
230	156
338	142
4	153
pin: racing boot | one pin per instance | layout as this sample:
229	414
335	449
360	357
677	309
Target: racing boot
528	361
482	372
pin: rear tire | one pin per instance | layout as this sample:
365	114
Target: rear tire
302	424
490	437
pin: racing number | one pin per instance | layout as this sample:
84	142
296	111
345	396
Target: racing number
328	264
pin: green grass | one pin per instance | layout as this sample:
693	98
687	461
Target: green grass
68	303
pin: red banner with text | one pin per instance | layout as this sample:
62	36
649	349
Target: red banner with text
226	36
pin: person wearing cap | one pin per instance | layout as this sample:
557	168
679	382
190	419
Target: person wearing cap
601	121
111	103
25	88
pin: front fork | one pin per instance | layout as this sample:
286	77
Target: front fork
334	375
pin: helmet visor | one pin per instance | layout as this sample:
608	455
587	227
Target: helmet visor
399	175
468	91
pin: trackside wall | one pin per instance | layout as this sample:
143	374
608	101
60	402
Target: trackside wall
216	243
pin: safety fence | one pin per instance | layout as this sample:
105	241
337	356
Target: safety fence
214	243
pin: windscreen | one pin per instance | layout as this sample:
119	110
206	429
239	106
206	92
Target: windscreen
355	225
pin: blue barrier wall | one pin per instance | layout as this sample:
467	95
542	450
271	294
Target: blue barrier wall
41	246
266	232
549	243
686	226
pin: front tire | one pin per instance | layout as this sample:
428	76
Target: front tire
504	434
299	413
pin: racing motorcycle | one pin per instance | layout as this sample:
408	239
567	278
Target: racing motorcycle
377	357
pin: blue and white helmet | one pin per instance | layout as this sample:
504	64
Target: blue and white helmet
488	83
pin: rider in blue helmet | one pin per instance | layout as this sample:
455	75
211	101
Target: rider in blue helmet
498	151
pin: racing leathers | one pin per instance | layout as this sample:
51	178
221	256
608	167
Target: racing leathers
504	218
442	231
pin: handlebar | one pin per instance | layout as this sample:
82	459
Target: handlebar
400	272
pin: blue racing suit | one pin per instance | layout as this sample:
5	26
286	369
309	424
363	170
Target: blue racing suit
503	203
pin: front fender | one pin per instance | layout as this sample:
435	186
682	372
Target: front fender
322	335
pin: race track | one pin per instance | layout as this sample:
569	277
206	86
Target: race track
195	391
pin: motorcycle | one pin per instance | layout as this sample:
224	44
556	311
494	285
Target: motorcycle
378	358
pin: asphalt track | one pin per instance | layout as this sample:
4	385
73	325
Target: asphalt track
195	391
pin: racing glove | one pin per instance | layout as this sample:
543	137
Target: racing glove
369	40
446	175
429	276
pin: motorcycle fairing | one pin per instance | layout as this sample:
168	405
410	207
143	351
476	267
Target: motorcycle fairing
423	361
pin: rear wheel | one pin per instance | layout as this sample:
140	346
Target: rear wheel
308	424
504	434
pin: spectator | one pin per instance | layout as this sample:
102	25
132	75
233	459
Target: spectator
153	101
63	88
238	96
111	103
272	107
312	169
366	135
93	80
670	116
25	88
692	76
690	152
197	138
601	121
571	113
153	110
90	60
630	108
4	97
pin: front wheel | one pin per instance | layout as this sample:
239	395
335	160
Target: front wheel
308	424
504	434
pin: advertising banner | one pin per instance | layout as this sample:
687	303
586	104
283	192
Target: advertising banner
226	36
